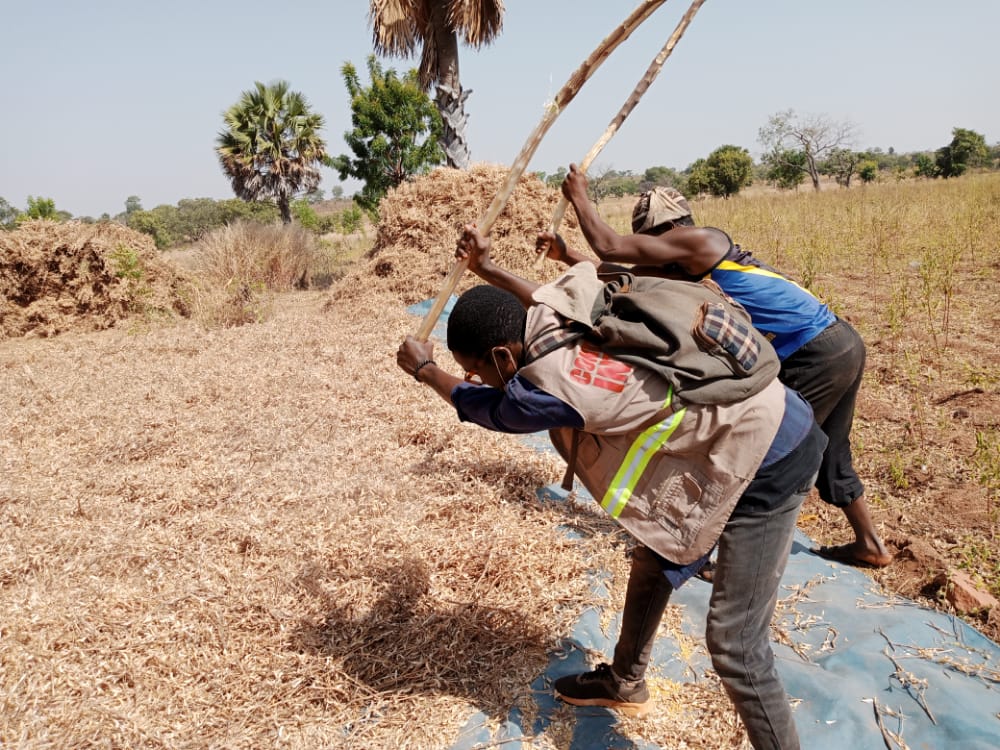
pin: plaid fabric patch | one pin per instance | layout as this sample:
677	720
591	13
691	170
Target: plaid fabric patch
716	327
551	340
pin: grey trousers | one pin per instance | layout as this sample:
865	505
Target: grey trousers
753	551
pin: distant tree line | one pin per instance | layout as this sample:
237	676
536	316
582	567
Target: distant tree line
271	149
794	151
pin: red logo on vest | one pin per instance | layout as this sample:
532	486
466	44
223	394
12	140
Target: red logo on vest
594	367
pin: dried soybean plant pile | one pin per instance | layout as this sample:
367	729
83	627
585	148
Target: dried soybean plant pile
420	222
58	277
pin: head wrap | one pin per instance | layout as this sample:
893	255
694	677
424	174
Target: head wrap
658	205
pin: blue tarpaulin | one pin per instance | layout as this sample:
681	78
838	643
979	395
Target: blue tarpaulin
865	669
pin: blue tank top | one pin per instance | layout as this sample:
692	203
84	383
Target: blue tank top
788	315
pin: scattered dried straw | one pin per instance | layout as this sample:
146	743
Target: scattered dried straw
269	536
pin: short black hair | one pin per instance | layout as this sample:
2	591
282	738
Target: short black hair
483	318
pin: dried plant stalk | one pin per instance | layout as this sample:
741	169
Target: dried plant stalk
644	83
564	97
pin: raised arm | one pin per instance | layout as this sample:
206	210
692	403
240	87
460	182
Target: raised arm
694	249
474	246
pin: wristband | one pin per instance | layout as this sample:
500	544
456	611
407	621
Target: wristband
420	365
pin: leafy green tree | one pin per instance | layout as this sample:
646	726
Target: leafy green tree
41	208
814	136
993	161
924	166
841	164
785	169
557	178
725	172
608	182
192	218
730	169
967	149
868	171
888	161
659	176
400	27
132	204
305	214
395	134
154	223
350	220
697	179
271	146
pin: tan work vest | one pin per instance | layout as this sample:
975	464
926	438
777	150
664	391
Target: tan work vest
670	475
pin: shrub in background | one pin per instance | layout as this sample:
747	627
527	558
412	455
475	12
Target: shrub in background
273	257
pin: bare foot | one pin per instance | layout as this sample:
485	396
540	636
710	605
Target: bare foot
855	554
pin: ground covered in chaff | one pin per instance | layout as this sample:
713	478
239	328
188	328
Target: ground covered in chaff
269	536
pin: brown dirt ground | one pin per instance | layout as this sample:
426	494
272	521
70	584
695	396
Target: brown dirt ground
923	402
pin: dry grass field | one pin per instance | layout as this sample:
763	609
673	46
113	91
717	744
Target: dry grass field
266	535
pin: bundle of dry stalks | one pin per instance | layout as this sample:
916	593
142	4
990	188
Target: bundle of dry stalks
252	255
57	277
421	220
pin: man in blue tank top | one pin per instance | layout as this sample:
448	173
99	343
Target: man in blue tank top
822	356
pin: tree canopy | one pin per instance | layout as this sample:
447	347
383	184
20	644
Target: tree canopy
395	133
271	146
967	149
813	136
842	165
725	172
401	27
7	213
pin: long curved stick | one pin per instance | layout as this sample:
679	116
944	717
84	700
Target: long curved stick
564	97
644	83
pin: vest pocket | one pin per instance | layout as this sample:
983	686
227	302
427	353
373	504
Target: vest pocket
720	333
680	505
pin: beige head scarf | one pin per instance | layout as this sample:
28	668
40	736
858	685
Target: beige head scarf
657	206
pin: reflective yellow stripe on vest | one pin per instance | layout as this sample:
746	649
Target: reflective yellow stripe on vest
636	461
729	265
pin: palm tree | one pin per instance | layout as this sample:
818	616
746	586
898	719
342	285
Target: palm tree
271	147
399	26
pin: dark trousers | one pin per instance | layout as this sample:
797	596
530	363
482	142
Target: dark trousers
827	372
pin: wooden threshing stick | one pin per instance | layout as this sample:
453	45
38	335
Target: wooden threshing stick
644	83
564	97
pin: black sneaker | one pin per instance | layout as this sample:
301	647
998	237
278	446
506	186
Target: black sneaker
602	688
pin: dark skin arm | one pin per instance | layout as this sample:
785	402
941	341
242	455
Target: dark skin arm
555	248
474	246
411	353
694	249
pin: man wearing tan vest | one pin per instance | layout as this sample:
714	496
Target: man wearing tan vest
685	457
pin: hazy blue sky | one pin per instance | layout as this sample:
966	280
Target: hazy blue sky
109	99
